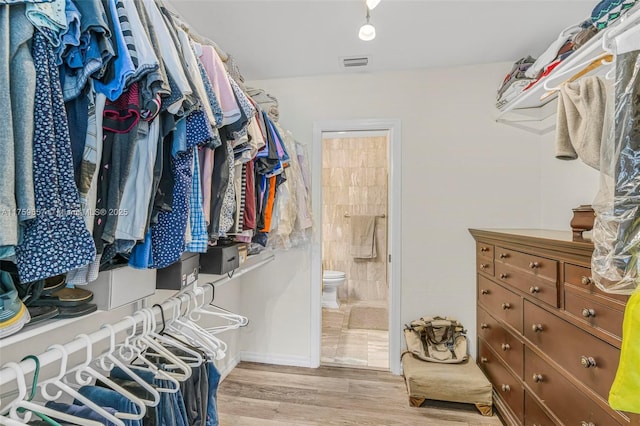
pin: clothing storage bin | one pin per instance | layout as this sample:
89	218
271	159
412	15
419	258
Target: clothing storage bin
463	383
180	274
121	286
219	260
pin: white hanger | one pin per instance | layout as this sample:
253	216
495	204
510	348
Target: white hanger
235	321
85	368
31	407
554	76
134	352
214	347
63	387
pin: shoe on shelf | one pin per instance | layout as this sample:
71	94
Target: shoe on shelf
13	313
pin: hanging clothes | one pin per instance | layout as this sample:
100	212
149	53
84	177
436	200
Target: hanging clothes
57	240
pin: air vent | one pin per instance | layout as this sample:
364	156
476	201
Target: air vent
355	62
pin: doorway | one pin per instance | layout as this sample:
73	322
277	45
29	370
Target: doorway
355	295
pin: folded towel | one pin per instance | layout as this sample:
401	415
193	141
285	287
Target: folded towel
581	110
363	237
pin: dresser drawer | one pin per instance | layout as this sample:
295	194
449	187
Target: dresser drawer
586	357
485	251
566	402
580	277
593	312
535	286
503	304
534	415
505	384
501	341
535	265
485	265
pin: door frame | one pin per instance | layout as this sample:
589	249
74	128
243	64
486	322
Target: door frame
394	223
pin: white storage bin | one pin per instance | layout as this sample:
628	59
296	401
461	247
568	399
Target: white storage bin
121	286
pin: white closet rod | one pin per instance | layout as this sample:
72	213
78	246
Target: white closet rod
618	27
7	375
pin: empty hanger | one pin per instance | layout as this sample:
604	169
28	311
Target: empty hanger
63	387
28	408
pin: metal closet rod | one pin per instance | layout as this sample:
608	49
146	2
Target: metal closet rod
79	345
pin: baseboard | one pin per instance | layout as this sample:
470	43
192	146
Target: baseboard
233	363
276	359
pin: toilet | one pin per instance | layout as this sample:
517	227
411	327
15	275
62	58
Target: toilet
331	280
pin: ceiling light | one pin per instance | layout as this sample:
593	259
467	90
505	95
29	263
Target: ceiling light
371	4
367	31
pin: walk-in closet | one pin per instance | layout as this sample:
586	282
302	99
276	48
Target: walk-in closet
279	212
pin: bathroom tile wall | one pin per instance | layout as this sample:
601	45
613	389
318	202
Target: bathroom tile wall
354	181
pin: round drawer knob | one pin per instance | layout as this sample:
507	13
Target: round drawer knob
484	326
587	361
483	266
537	378
586	280
534	265
506	347
503	255
506	388
483	249
506	306
484	360
587	423
536	328
504	276
484	291
534	289
588	313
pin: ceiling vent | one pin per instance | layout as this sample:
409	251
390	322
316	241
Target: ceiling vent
354	62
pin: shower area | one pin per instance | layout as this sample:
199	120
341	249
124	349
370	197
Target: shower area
355	314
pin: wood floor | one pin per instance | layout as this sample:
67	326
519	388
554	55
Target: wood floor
259	394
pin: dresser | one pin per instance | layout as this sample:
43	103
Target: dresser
548	338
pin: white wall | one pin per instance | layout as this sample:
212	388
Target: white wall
460	170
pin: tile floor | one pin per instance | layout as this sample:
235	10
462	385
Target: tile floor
357	348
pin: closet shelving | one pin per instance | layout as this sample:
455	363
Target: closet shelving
252	262
535	109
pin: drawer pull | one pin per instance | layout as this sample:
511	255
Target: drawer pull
537	378
503	255
484	249
586	280
484	360
534	289
587	361
506	347
483	266
484	326
484	291
588	313
504	276
537	328
506	388
534	265
587	424
506	306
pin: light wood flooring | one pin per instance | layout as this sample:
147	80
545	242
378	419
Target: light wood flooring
353	347
260	394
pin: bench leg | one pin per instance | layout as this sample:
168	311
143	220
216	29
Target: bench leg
416	402
485	410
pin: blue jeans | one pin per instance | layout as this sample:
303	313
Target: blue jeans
212	400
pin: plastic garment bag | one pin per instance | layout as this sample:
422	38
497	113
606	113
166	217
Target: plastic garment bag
616	232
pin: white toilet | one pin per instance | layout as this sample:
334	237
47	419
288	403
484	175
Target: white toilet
331	280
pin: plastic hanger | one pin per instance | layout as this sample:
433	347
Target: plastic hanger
109	357
133	352
194	356
28	408
583	68
85	368
63	387
235	321
180	370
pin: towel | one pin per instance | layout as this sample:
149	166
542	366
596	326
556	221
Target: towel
363	237
581	111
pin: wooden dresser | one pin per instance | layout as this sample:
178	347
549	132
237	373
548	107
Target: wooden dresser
548	339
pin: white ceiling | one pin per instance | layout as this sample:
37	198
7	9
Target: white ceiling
287	38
